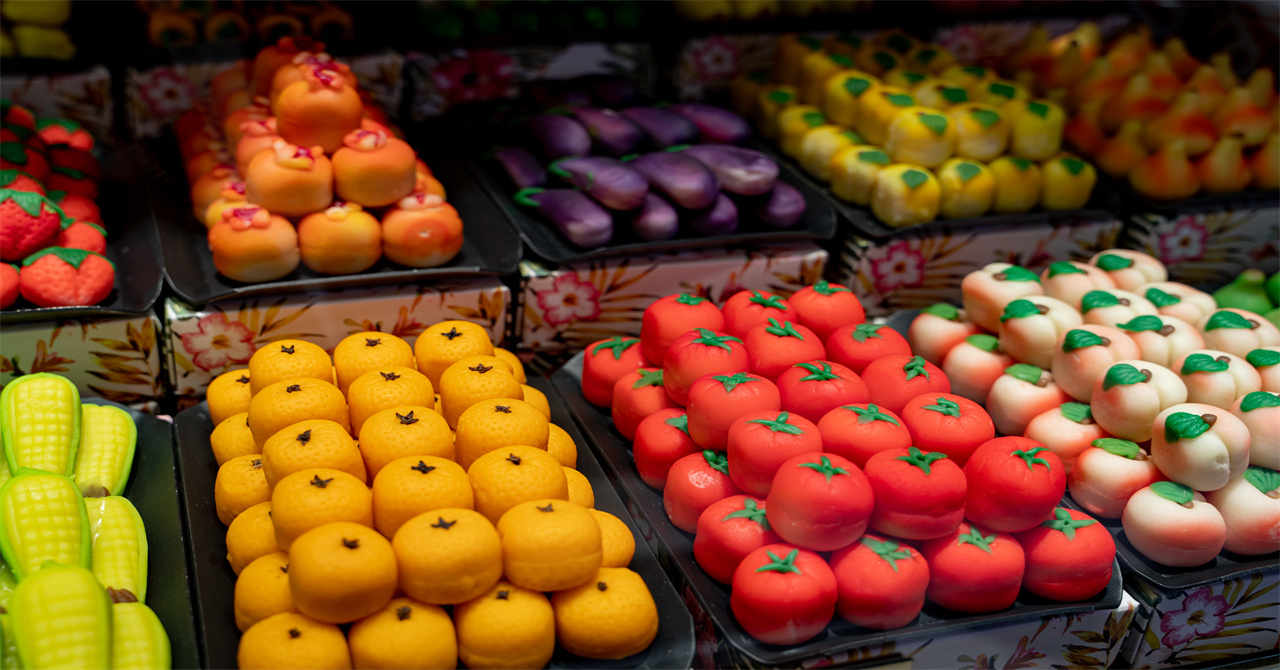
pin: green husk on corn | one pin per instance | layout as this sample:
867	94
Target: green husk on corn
139	641
108	437
119	543
40	423
61	618
42	518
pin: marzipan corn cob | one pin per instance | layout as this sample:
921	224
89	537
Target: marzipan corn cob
42	518
119	548
61	618
138	641
107	439
40	423
9	646
7	584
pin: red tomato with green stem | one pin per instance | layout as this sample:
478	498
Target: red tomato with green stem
813	388
761	441
919	495
662	438
820	501
604	362
728	530
860	430
881	583
747	309
694	482
670	317
894	380
857	345
824	307
783	594
972	570
775	345
947	423
1069	557
699	353
636	395
716	401
1014	484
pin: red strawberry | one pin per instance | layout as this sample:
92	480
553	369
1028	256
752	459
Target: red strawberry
860	430
672	316
8	285
783	594
693	483
15	180
64	131
13	115
947	423
16	156
748	309
26	138
71	180
28	223
972	570
76	207
77	160
820	501
1014	484
662	438
881	582
727	531
605	362
761	441
814	388
1069	557
83	235
698	353
774	346
825	307
716	401
636	395
919	496
895	380
857	345
57	277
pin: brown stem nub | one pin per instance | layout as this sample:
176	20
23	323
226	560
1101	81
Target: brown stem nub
1209	418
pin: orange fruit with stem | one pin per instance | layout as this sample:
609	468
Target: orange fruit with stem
472	380
580	492
536	398
498	422
448	342
286	359
262	589
506	627
313	443
384	388
447	556
232	438
611	616
517	367
618	544
228	394
506	477
561	446
404	635
250	536
361	352
409	486
549	545
341	572
293	640
239	485
405	430
317	496
287	402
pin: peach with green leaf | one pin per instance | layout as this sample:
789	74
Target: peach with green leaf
1129	269
1178	300
1129	395
1108	473
1216	377
938	328
974	365
1201	446
1260	412
1173	525
1113	306
985	292
1021	393
1238	332
1162	339
1250	506
1066	430
1031	327
1068	281
1084	354
1266	360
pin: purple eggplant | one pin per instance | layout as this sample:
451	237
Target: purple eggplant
520	165
559	136
715	124
664	126
611	131
656	220
719	219
578	217
783	208
683	179
614	183
740	171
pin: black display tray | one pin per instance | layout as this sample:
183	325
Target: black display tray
153	490
676	548
215	581
1122	198
1225	567
489	245
819	223
131	246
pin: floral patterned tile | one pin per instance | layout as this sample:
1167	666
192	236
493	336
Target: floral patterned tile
1209	249
114	359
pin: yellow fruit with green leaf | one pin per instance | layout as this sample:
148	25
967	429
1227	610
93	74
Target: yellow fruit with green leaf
1037	130
816	69
820	144
1018	184
968	188
1068	182
905	195
793	123
982	131
769	103
843	96
921	135
878	109
853	172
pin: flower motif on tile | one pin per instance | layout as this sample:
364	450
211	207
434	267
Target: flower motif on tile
896	266
166	92
569	300
1202	614
1185	240
714	58
481	74
217	342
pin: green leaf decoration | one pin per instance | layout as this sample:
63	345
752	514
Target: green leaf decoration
1073	165
925	56
1076	412
648	378
784	329
921	459
1113	262
823	287
1258	400
1031	459
1173	491
72	257
780	425
1017	273
985	117
1038	108
780	97
710	338
525	196
1225	319
818	372
913	78
1079	339
1025	372
852	137
750	511
1019	309
813	119
1097	298
13	152
899	99
850	39
856	86
915	368
900	43
776	564
977	539
680	423
31	203
1204	363
1002	90
1119	447
768	300
812	43
874	156
983	341
1263	479
1184	425
718	461
825	467
953	95
1064	268
935	122
1263	358
944	406
618	345
885	60
1160	298
686	299
731	382
1021	163
9	176
68	124
1124	374
871	413
890	551
914	178
841	60
864	330
967	171
1063	523
975	70
943	310
1138	324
